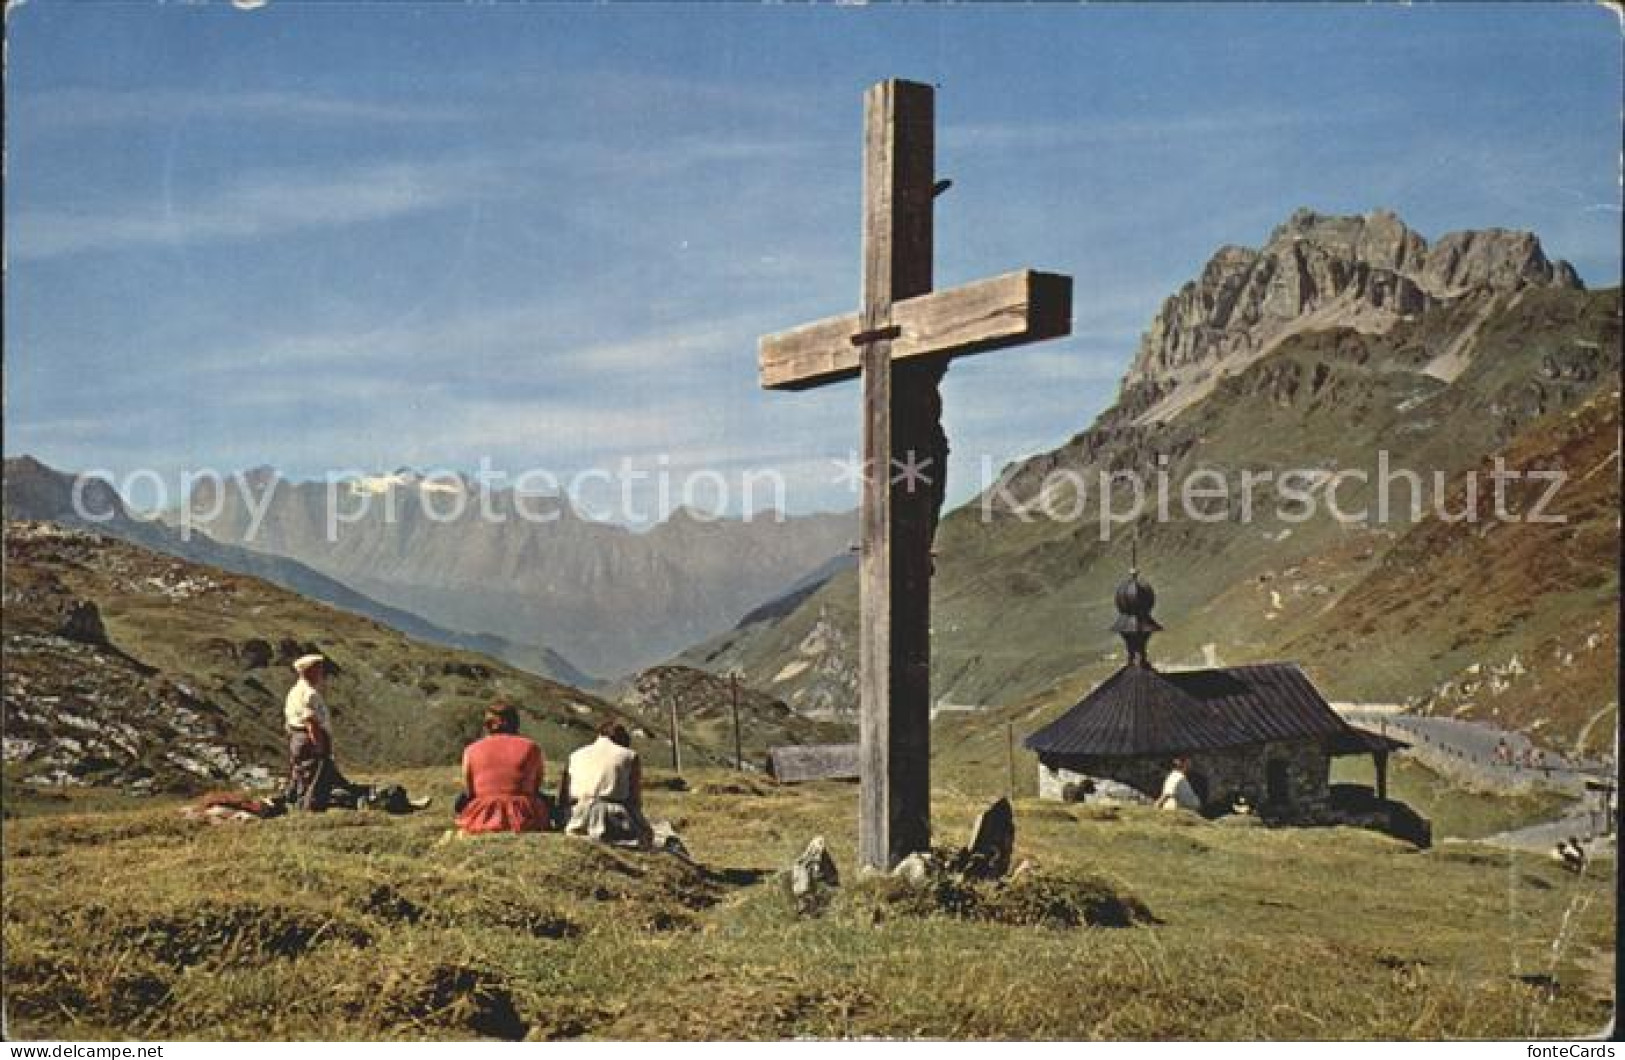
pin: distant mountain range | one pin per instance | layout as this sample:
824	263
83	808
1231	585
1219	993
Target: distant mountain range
1341	338
34	491
529	569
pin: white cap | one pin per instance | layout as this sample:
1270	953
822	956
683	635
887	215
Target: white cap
305	662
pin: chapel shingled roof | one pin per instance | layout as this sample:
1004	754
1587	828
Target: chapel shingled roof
1142	711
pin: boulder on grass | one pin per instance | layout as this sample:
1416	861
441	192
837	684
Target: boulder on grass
917	869
992	842
813	873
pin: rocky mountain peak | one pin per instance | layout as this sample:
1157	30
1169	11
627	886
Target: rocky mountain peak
1317	272
35	491
259	477
1496	258
1379	239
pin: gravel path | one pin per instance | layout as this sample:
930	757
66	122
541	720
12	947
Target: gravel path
1542	838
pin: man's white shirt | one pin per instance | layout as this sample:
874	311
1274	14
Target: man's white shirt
303	704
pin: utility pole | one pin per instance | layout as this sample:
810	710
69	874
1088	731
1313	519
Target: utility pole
739	747
676	741
1010	754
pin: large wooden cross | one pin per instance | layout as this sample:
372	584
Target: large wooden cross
900	344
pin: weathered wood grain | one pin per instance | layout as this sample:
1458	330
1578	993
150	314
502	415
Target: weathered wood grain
1009	310
900	342
894	692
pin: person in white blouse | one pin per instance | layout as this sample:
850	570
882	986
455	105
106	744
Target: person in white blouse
603	788
1177	793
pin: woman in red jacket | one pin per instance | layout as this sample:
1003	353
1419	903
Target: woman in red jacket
502	774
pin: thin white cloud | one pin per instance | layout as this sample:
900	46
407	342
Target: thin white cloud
674	155
619	94
260	204
1195	125
396	422
543	339
75	109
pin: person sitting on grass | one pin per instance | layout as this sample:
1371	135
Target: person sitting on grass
1177	793
603	787
502	779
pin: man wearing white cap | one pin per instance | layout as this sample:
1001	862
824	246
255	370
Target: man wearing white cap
311	772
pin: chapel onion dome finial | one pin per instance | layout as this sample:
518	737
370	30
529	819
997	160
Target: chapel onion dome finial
1134	600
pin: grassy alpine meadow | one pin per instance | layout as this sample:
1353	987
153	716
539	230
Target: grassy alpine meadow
137	923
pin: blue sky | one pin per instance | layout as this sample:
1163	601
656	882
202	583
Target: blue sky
327	236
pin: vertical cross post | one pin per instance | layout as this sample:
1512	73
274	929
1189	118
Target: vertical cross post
901	407
900	343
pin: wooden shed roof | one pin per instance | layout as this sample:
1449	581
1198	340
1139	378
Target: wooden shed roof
830	761
1364	741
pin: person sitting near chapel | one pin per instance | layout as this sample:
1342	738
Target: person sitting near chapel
502	779
312	773
1177	793
603	787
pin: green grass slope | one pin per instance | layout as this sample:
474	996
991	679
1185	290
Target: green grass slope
143	925
1506	620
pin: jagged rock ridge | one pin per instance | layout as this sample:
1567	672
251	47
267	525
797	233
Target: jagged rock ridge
1319	272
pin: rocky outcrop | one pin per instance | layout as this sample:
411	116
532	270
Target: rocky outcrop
128	668
1316	273
82	621
704	702
696	693
992	842
1495	258
812	876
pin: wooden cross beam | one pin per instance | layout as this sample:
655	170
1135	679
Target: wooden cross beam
900	343
1009	310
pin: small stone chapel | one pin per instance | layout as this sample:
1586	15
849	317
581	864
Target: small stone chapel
1262	733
